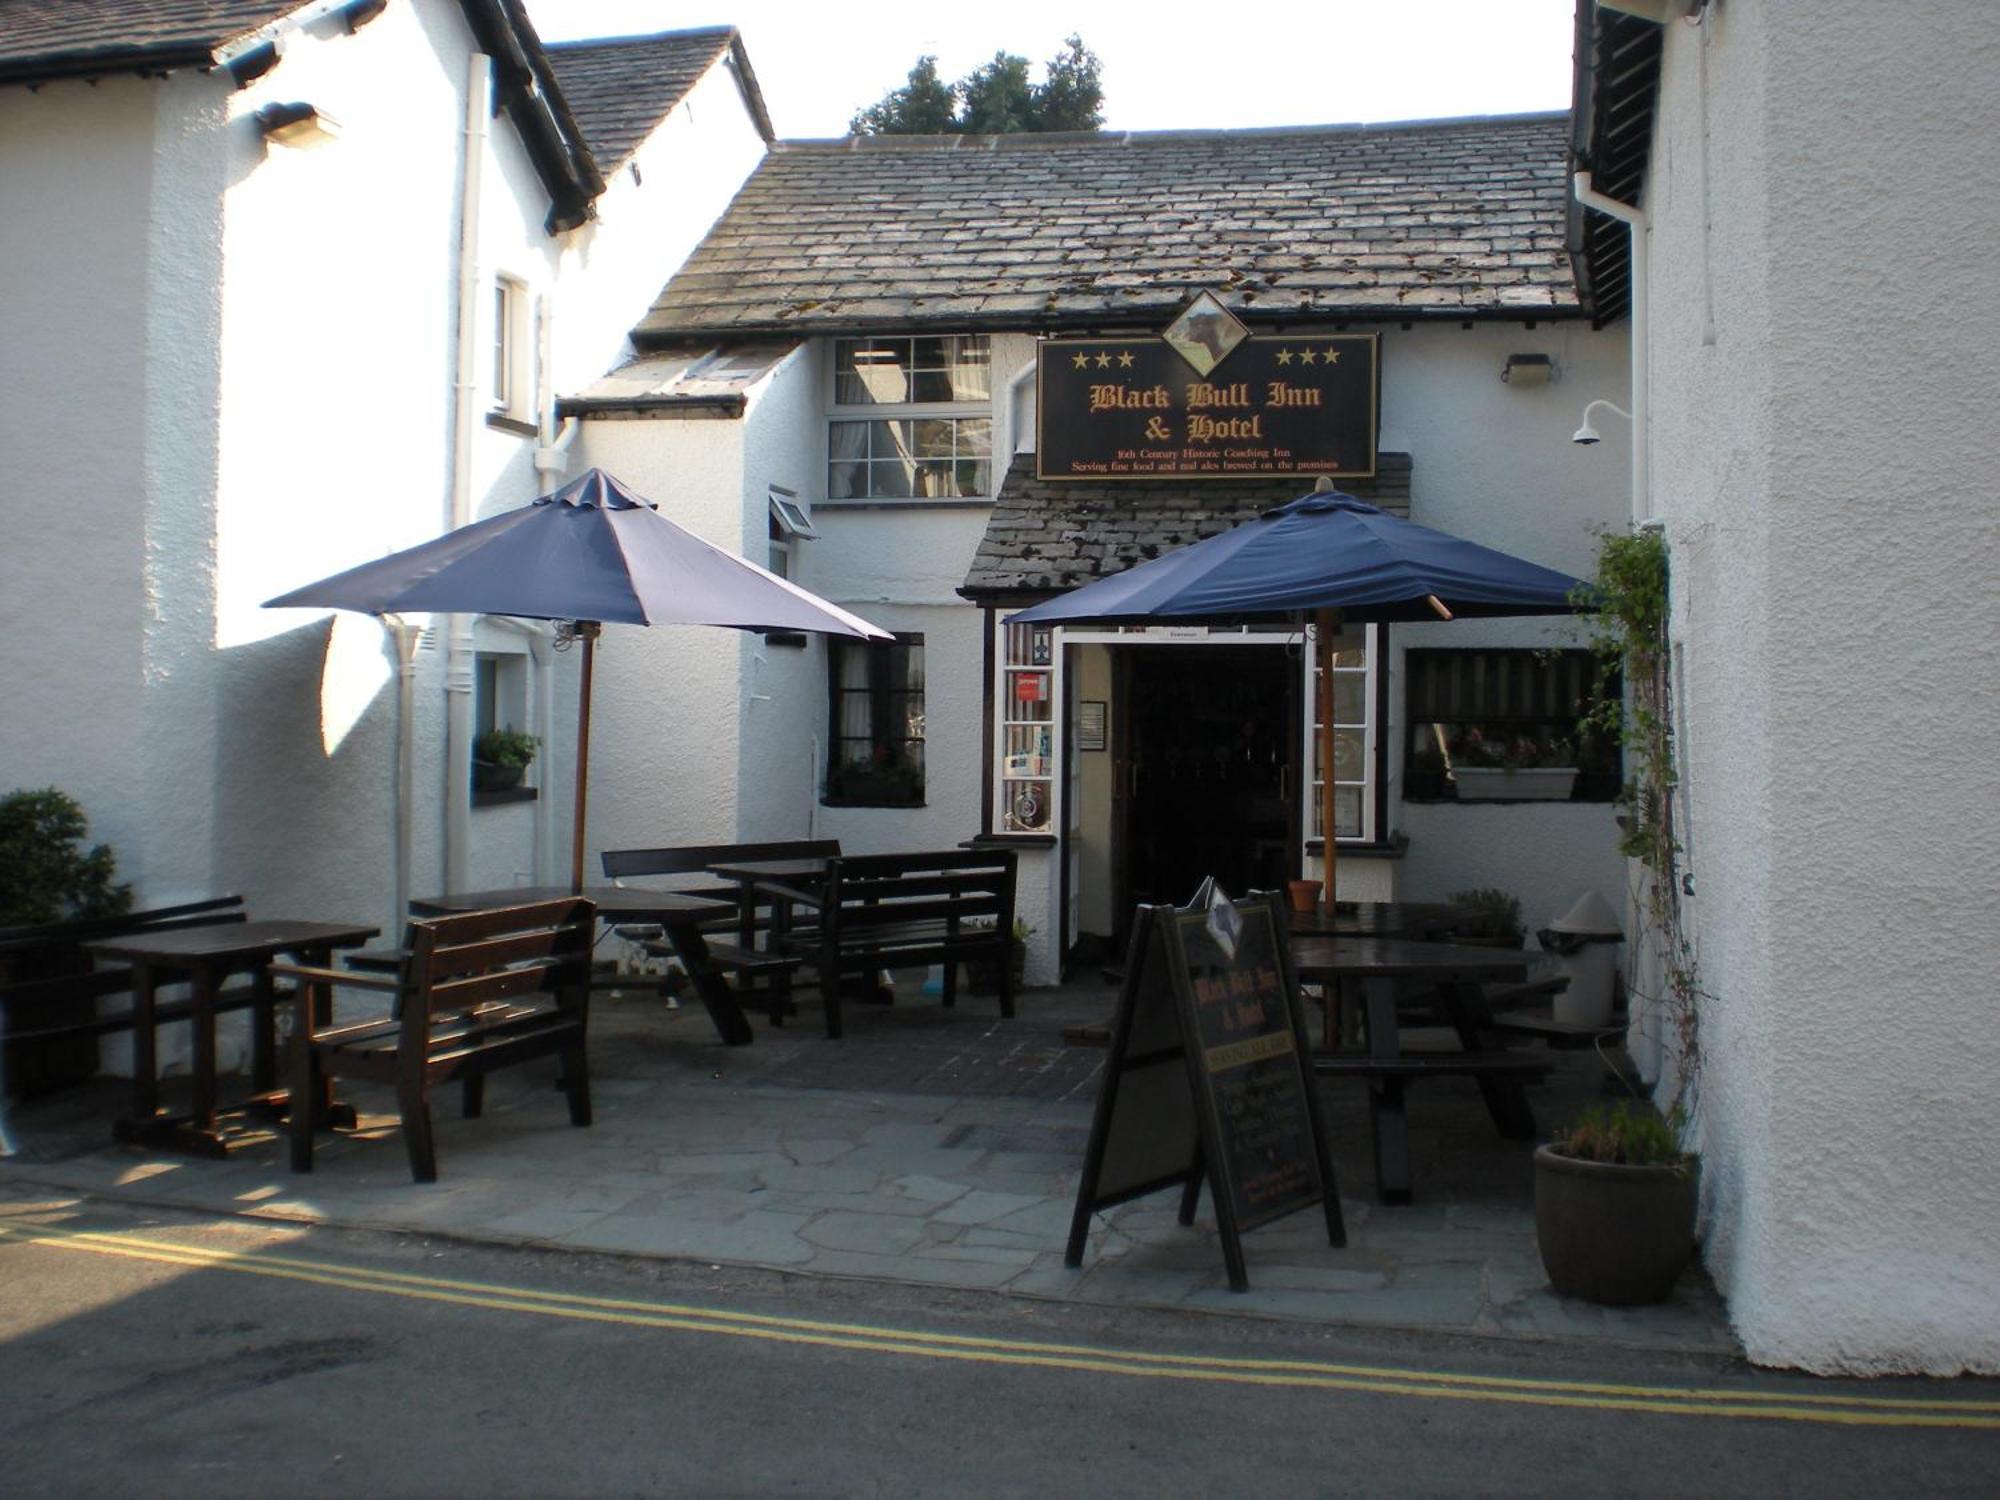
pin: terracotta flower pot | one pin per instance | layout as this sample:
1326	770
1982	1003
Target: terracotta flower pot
1304	894
1613	1234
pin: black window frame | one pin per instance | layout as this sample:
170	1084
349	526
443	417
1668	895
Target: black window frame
1517	698
895	773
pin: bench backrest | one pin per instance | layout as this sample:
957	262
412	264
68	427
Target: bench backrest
460	963
959	886
16	940
694	859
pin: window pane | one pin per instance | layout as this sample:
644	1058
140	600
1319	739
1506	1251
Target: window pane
971	369
1350	698
1028	696
975	436
890	481
870	372
930	353
1028	806
933	437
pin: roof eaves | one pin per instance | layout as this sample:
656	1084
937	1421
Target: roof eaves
746	81
535	103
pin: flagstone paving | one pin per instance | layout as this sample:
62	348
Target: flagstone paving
741	1156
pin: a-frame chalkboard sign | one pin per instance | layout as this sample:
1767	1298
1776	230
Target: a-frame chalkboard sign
1210	1075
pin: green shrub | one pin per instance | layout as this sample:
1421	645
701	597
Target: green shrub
45	876
1500	913
1629	1137
505	747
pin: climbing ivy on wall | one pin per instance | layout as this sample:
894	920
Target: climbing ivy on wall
1629	633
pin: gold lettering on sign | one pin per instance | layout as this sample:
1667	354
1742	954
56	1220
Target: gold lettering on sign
1124	398
1201	393
1279	393
1212	429
1158	430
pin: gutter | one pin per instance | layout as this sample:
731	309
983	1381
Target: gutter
1638	231
683	407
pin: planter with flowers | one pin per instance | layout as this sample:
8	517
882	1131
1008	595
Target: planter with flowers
1512	768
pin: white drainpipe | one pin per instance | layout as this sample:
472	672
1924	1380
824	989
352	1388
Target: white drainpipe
458	657
1637	234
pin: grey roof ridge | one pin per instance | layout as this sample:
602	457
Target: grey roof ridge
1029	140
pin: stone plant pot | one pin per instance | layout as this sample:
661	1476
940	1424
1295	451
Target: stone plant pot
1612	1234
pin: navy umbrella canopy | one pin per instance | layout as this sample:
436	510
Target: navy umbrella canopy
592	551
1320	559
1325	551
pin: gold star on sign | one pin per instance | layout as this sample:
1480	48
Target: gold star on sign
1308	356
1103	361
1332	356
1082	361
1284	356
1125	359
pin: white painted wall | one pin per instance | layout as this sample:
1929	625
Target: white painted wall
1824	450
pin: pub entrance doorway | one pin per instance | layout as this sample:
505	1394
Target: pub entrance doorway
1207	751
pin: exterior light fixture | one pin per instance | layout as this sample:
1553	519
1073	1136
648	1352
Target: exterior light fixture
296	124
1587	434
1529	369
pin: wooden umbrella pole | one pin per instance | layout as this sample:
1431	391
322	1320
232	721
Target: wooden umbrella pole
586	631
1326	624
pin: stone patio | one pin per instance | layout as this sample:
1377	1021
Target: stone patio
929	1146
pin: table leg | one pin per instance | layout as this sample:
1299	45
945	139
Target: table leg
145	1045
709	983
1506	1098
263	1030
1388	1115
201	1025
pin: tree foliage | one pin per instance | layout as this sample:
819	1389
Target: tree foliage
996	98
45	874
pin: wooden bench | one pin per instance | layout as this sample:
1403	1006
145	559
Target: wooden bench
49	993
886	911
745	959
476	992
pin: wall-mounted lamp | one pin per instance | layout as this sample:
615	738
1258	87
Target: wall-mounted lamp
1530	369
296	124
1587	434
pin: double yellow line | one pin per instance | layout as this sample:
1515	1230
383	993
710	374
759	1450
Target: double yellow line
1761	1405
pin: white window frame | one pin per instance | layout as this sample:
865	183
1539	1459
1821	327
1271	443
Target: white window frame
513	370
1370	674
791	523
1052	760
907	411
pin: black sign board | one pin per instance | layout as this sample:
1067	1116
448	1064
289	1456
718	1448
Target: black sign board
1136	409
1209	1077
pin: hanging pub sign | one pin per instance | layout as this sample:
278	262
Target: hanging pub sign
1208	1080
1200	404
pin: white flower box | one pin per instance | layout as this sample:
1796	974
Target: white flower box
1514	784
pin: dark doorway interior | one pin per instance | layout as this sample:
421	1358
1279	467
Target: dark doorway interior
1209	748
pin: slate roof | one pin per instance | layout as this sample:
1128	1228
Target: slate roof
1048	535
64	38
1456	218
621	89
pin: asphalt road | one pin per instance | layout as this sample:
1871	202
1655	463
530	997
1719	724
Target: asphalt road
160	1355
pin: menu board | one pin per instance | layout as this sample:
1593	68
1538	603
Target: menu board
1207	1079
1251	1062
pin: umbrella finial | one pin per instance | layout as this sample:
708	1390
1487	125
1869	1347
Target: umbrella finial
1322	485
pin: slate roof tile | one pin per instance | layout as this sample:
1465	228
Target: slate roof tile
48	38
1045	231
620	90
1047	535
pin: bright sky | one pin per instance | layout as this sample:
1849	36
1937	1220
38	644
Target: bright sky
1166	66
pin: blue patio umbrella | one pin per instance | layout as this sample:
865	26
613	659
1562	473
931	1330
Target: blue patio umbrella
592	551
1324	558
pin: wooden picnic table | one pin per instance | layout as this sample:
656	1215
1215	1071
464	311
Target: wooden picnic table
1419	920
679	915
204	957
1458	971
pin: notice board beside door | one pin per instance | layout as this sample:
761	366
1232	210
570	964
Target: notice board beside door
1209	1076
